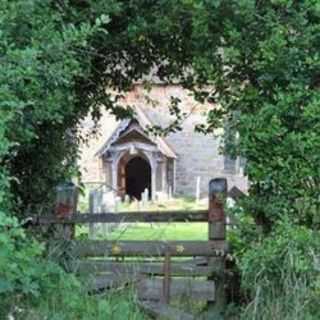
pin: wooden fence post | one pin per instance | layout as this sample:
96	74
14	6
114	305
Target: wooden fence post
65	207
165	297
217	232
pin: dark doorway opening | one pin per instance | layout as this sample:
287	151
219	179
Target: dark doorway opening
138	177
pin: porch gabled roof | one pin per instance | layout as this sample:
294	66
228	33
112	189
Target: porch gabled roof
126	127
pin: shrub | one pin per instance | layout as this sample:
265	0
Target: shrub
18	268
31	287
281	274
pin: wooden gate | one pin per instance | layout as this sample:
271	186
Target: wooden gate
159	271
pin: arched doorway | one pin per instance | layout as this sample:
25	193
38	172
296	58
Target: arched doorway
138	177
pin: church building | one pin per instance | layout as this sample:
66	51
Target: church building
127	158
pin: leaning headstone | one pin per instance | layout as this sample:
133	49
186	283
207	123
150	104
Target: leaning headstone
235	193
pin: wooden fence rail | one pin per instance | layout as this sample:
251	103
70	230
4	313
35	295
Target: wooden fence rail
155	268
173	275
96	248
156	216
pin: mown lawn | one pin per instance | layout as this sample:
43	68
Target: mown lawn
161	231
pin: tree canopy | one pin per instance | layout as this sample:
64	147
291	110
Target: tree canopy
258	60
58	59
263	59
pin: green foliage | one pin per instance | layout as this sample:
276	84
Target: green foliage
17	271
32	287
57	60
75	303
282	274
38	72
263	60
289	247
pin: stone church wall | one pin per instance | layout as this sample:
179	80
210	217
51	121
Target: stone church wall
197	155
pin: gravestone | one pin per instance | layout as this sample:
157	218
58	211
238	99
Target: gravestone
101	201
145	197
126	199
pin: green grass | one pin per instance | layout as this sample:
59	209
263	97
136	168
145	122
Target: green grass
157	231
162	231
81	306
154	231
180	203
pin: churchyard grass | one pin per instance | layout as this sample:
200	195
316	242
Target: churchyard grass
157	231
161	231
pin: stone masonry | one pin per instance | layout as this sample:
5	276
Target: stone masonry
197	154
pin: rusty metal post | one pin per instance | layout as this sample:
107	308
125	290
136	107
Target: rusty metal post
217	232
